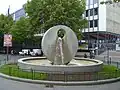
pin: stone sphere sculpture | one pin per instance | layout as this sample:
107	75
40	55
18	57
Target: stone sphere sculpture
59	44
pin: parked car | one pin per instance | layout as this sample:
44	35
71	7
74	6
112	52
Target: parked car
36	52
24	52
2	51
13	52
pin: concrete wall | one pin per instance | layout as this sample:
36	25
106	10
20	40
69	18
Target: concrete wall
60	68
102	17
109	17
113	18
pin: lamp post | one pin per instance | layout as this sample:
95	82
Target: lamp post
8	34
108	55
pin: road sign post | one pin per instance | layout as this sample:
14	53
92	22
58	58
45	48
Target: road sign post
7	43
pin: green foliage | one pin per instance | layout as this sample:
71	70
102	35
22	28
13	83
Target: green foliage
109	1
21	30
116	0
44	14
13	70
109	68
5	23
107	72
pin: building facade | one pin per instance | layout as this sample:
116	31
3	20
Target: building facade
18	14
103	24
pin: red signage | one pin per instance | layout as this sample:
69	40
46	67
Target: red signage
7	40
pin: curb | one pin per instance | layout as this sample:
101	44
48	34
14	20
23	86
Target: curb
60	82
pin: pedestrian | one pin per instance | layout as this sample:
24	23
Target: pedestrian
85	55
92	55
12	52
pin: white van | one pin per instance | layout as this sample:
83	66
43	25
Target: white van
36	52
24	52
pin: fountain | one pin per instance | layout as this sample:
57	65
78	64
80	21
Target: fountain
59	45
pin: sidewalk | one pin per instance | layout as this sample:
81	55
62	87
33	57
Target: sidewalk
114	55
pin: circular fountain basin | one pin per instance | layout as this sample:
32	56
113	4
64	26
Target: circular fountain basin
41	64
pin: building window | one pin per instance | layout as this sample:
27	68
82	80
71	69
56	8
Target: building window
91	24
96	23
87	2
95	11
91	2
118	45
91	12
87	12
95	1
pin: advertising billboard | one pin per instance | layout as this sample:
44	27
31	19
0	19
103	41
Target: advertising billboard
7	40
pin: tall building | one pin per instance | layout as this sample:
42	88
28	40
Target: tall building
103	24
18	14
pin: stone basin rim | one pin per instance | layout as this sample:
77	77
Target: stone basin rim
97	62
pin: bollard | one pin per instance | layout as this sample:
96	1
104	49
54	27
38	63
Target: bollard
10	69
32	73
64	77
18	71
110	60
104	59
117	64
4	61
116	73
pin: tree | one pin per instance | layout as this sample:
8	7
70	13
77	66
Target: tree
44	14
110	2
21	30
6	23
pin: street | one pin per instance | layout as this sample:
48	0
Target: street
15	85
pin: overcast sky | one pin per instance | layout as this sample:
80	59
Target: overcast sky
14	5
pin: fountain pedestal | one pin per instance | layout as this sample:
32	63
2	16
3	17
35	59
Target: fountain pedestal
59	63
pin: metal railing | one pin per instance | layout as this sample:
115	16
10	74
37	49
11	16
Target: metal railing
41	75
35	75
109	61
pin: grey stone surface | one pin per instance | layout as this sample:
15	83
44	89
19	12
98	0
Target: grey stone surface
6	84
70	43
61	83
22	63
15	85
